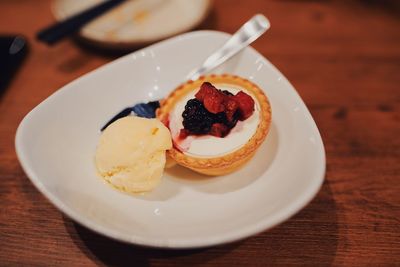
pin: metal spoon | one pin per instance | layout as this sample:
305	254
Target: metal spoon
248	33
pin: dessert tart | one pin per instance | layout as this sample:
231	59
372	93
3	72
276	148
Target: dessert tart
216	122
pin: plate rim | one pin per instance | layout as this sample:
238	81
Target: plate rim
121	45
228	237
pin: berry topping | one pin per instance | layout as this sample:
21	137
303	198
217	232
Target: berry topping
226	92
215	112
183	133
196	118
205	89
219	130
214	102
230	108
246	105
212	98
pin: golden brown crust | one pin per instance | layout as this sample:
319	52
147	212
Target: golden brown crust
232	161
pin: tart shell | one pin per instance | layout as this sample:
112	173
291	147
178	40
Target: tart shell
234	160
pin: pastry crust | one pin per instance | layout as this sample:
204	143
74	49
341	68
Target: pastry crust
232	161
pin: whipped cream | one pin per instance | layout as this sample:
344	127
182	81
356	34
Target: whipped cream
208	145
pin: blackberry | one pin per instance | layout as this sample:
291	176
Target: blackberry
220	117
196	118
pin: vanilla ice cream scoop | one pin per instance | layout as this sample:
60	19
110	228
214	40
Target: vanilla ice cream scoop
131	153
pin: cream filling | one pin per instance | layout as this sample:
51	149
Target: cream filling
208	145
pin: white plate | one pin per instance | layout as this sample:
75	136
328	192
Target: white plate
56	142
136	22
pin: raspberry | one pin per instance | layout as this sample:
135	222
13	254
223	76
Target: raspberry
230	107
196	118
205	89
214	102
183	133
212	98
245	105
219	130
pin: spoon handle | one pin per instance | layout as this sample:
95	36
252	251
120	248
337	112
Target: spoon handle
247	34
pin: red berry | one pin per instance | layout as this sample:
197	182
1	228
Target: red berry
211	97
183	133
205	89
230	107
219	130
246	105
214	102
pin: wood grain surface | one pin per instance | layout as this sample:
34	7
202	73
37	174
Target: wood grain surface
343	57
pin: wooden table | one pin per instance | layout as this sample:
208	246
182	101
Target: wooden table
344	59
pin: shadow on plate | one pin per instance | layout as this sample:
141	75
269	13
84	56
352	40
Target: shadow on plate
309	238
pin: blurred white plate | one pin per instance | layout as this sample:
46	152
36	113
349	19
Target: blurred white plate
136	22
56	143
